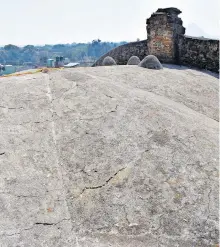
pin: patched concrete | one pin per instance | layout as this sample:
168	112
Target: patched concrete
109	156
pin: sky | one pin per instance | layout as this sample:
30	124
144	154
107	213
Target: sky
41	22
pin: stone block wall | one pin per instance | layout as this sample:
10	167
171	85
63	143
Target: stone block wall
166	40
122	53
199	52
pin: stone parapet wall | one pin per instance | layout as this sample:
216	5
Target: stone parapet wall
122	53
199	52
167	41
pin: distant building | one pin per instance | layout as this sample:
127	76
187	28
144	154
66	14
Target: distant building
50	63
66	60
71	65
7	69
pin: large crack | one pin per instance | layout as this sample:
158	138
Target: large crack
104	184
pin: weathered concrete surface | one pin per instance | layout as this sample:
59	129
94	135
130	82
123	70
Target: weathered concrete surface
109	156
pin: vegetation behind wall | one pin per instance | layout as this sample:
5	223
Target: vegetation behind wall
38	55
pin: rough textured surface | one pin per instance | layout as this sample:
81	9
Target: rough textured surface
134	60
108	61
122	53
166	40
150	62
201	53
109	156
163	30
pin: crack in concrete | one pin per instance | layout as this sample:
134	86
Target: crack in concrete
51	224
34	225
40	122
85	119
159	225
209	199
126	216
94	118
49	95
86	173
114	109
19	196
104	184
64	92
12	108
109	96
31	196
44	223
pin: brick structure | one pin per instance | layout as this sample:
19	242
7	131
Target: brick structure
166	40
163	30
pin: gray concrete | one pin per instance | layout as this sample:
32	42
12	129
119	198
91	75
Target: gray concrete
109	156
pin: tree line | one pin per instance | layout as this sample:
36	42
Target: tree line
38	55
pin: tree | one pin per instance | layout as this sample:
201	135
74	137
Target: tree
3	56
96	41
11	47
76	52
29	47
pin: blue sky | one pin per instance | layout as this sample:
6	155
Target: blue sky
51	21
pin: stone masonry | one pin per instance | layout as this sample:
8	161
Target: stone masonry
163	28
121	54
199	52
166	40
